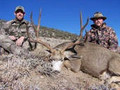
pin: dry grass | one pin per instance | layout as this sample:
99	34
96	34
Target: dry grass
21	73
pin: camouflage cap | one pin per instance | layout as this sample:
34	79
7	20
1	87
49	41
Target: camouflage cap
20	8
98	15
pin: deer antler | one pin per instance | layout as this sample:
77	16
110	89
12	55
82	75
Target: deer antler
38	27
31	15
86	37
82	27
80	36
37	40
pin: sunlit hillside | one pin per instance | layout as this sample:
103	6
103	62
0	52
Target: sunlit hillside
52	33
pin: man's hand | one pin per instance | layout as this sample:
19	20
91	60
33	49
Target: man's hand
12	37
20	41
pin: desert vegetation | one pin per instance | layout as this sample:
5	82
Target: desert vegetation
33	71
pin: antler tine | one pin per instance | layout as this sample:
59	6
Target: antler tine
81	20
82	27
31	15
31	19
38	27
86	36
80	36
44	44
68	46
37	33
27	28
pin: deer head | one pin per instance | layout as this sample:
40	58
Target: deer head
56	55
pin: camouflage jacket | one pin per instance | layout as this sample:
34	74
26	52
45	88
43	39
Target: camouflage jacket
104	36
18	29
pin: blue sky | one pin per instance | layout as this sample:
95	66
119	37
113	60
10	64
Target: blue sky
65	14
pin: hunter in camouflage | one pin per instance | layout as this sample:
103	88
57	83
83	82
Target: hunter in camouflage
14	32
101	34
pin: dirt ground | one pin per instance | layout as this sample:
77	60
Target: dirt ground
20	73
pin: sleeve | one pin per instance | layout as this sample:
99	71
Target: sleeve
4	29
113	41
88	36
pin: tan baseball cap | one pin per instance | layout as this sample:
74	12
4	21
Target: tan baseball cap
19	8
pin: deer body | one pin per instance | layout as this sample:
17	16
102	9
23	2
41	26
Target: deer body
96	59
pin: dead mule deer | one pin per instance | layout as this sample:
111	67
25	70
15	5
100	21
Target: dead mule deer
59	53
96	60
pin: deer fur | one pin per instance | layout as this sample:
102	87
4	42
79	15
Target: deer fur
97	59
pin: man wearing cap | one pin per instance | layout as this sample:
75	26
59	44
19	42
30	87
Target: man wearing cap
16	30
101	34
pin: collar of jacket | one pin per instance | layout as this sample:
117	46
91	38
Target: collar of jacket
94	26
19	22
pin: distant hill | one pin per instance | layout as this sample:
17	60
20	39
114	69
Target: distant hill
51	32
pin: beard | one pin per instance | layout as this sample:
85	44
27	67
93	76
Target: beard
19	17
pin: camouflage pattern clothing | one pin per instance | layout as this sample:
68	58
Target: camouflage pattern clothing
8	46
104	36
17	29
